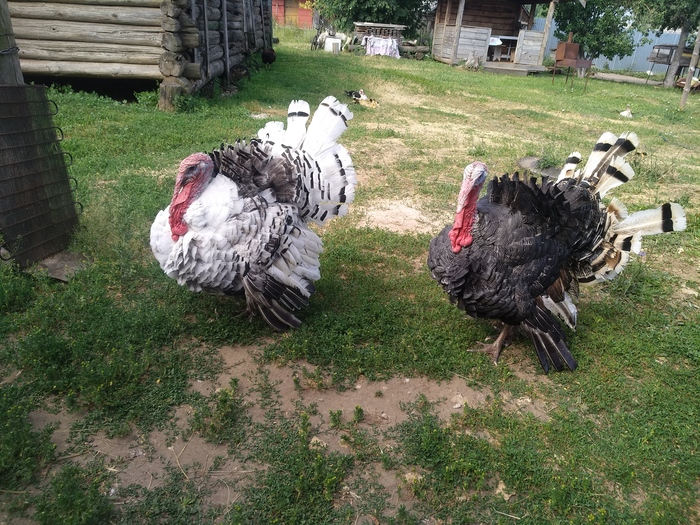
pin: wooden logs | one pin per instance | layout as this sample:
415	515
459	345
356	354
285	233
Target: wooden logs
90	69
179	42
170	89
86	32
134	16
112	3
96	52
172	64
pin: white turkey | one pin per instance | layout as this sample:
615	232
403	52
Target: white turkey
519	253
239	218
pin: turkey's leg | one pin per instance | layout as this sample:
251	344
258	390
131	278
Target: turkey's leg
495	348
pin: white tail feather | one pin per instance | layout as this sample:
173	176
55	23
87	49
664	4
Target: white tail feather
564	310
617	173
607	139
667	218
569	169
606	168
328	123
297	116
272	131
618	209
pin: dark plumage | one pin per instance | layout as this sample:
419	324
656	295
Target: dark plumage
518	254
268	56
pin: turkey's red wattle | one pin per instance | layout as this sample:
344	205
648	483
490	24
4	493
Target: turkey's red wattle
461	233
178	207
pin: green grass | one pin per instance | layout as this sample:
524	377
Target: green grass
119	346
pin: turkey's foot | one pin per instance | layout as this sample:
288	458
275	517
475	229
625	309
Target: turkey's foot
248	313
495	348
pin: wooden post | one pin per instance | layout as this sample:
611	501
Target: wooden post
547	27
224	20
448	8
206	38
245	24
10	71
691	70
458	31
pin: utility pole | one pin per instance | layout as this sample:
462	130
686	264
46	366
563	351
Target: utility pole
691	70
10	72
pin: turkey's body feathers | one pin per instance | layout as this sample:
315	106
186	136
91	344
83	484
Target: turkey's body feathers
248	232
534	242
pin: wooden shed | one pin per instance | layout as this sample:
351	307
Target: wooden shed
182	43
498	32
292	13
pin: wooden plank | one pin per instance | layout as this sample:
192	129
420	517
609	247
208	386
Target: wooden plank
87	32
79	52
141	16
90	69
460	14
527	51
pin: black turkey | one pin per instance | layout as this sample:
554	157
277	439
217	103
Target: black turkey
268	56
238	219
519	253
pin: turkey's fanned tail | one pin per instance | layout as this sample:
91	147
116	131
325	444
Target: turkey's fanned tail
329	187
621	234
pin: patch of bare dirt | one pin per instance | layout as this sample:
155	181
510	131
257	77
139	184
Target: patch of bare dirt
398	217
146	459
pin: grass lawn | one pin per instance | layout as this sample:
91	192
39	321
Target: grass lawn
126	399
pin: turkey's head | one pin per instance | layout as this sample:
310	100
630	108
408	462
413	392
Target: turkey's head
474	178
195	173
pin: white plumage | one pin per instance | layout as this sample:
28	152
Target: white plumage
237	222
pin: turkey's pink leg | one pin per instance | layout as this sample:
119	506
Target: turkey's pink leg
495	348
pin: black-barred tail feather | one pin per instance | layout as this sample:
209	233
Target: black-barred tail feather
606	149
667	218
570	165
297	116
330	120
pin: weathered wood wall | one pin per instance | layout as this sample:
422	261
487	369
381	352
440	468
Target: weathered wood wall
183	43
502	16
471	40
528	48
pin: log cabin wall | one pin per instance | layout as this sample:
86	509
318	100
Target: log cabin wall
500	16
182	43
